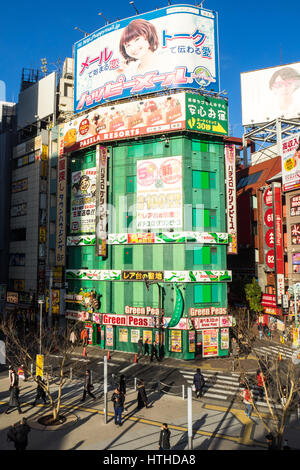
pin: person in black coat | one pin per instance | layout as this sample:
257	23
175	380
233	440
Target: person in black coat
40	391
14	399
146	347
122	387
118	401
18	433
164	438
142	396
87	386
198	383
154	351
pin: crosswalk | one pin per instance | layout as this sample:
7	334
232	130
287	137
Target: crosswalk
224	387
273	351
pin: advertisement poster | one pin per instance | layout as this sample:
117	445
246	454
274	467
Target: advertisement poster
147	334
135	336
172	47
270	93
230	175
295	206
146	116
175	341
192	343
224	338
290	162
206	114
83	201
159	193
210	343
123	335
61	202
101	201
109	336
296	262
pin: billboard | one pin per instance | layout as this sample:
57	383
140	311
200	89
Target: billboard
83	201
270	93
159	193
231	197
291	162
172	47
101	201
61	208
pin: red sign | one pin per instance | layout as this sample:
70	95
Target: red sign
269	238
277	209
268	300
270	259
268	197
269	218
127	320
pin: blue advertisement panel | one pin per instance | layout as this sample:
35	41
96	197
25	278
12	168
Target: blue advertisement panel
173	47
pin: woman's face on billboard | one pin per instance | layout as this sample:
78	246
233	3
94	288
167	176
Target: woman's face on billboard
137	47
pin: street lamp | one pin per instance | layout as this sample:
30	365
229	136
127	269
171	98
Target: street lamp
41	301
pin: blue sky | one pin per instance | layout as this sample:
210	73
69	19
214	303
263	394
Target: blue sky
253	35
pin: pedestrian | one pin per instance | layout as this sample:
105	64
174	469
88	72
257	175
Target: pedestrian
154	352
164	438
261	381
140	347
88	386
122	387
73	338
14	399
271	441
198	383
247	399
18	433
146	347
260	330
142	396
266	331
118	401
84	337
21	373
40	391
13	377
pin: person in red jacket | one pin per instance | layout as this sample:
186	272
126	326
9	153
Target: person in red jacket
261	380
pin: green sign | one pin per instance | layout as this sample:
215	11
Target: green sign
206	114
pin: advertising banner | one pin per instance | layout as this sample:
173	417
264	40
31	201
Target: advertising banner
291	162
122	121
109	336
296	262
173	47
295	206
270	93
175	338
278	241
61	202
206	114
230	173
101	201
159	193
210	343
224	338
83	201
295	234
268	229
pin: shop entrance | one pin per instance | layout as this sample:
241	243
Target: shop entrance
198	353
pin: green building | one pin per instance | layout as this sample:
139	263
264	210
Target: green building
162	271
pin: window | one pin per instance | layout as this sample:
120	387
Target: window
249	179
131	184
202	255
206	293
18	235
128	255
204	218
204	179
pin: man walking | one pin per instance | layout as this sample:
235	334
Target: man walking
198	383
154	352
118	401
164	438
140	346
18	433
40	391
87	386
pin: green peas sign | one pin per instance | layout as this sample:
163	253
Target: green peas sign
206	114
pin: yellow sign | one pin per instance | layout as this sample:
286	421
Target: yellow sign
39	365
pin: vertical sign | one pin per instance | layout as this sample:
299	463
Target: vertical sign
268	229
278	244
101	201
231	197
61	201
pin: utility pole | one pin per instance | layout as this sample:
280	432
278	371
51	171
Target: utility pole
190	418
105	390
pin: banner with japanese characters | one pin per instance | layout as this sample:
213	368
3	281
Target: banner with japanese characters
268	228
61	202
206	114
101	201
172	47
83	201
159	193
230	173
291	162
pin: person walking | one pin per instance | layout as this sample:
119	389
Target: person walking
88	386
246	396
122	387
271	442
198	383
142	396
18	434
260	330
146	347
140	348
154	352
118	401
261	380
73	338
40	391
14	399
164	438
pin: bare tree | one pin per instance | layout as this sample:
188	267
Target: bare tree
23	347
281	384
